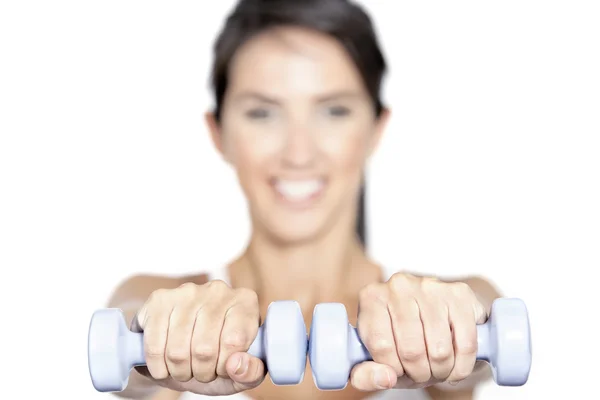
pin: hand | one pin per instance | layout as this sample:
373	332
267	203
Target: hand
419	332
196	338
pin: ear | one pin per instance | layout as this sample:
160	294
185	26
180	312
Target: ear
215	132
380	126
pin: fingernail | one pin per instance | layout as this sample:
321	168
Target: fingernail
382	379
242	366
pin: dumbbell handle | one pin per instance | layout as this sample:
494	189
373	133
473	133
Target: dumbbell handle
357	351
134	348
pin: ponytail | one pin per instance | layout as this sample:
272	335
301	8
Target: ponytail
361	224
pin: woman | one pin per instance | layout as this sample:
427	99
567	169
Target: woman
297	116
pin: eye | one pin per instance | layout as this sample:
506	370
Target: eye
257	113
338	111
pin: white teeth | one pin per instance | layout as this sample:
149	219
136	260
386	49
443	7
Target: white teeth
299	190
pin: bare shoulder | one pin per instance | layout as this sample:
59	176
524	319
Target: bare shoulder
374	271
365	273
137	288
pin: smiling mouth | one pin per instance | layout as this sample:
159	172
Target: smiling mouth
299	192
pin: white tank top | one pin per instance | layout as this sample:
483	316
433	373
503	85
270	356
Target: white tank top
392	394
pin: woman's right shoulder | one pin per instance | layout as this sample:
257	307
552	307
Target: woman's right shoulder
137	288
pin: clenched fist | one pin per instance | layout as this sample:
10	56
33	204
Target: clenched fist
196	338
419	331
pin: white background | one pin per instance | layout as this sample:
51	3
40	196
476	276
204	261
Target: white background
490	165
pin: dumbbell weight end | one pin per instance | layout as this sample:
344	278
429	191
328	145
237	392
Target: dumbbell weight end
112	350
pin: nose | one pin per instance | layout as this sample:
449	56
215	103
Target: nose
300	148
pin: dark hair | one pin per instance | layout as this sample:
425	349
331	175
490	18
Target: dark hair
341	19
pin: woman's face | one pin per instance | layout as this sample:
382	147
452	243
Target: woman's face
298	126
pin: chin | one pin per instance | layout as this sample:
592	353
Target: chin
295	232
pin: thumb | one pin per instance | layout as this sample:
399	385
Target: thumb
245	371
369	376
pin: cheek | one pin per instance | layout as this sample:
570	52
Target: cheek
347	148
250	152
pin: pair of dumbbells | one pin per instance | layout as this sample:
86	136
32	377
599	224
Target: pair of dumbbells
333	345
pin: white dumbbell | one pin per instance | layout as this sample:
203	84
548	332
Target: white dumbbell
504	341
113	350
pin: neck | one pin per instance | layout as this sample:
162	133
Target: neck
310	271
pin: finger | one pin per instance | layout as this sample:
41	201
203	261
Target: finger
410	338
178	353
370	376
239	329
205	340
245	371
157	299
374	326
156	328
464	330
438	337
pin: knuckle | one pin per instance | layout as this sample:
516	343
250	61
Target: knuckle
217	288
372	292
460	289
431	285
467	347
204	352
158	294
154	351
187	287
234	340
378	344
401	281
441	351
217	284
411	353
177	355
247	295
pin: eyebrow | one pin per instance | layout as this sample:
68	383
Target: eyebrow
341	94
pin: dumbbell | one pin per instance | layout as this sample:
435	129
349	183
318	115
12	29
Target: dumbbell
113	350
504	341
